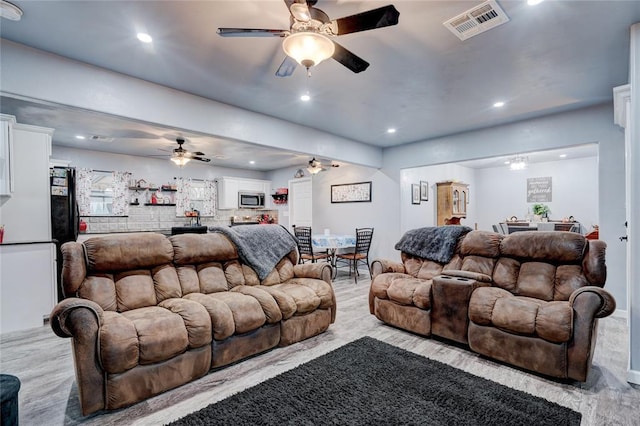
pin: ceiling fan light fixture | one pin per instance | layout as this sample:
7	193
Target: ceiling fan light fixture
300	11
10	11
180	160
307	48
518	163
315	167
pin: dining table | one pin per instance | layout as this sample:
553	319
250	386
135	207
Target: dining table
331	243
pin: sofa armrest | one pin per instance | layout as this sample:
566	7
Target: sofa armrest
81	319
321	271
62	312
588	304
380	266
602	300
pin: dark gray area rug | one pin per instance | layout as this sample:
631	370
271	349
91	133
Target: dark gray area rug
371	382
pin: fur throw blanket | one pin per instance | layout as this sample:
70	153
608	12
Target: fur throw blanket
260	246
432	243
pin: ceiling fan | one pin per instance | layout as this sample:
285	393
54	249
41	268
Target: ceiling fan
307	41
181	156
316	166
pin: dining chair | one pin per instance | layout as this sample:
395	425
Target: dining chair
305	246
360	254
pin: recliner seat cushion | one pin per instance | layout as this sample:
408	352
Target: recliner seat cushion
492	306
151	334
305	298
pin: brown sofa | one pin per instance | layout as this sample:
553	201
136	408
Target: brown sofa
147	313
531	299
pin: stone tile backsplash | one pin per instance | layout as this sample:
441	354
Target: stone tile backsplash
161	218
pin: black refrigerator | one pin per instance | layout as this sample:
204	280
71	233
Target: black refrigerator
65	219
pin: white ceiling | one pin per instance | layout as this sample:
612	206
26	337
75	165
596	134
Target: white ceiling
556	56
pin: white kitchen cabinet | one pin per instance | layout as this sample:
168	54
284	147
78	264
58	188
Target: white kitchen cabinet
27	284
228	188
26	214
6	154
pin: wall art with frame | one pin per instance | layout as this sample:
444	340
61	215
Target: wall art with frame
415	193
359	192
424	190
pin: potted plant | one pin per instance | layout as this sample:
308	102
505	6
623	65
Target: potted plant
541	210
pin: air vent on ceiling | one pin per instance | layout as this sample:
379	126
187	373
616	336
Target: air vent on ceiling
477	20
98	138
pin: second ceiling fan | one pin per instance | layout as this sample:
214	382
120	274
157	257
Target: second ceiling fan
307	40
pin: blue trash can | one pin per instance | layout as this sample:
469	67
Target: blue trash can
9	387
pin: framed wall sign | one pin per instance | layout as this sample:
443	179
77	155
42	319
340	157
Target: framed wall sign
539	190
424	190
359	192
415	193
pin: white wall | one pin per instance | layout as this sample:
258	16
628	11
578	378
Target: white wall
425	214
502	193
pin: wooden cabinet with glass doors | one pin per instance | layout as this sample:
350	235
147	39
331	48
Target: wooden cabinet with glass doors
453	198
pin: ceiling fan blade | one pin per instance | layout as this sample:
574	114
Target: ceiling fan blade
197	153
251	32
377	18
349	59
287	67
205	160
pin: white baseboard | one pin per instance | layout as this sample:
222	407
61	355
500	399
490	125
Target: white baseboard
620	313
633	376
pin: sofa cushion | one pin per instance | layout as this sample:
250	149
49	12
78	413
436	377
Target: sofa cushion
267	302
126	252
381	283
410	291
492	306
146	336
421	268
246	310
134	289
551	246
305	298
322	289
231	312
193	249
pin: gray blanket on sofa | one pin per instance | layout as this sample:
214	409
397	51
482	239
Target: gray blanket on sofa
260	246
432	243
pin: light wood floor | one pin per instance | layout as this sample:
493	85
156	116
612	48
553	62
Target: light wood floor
48	395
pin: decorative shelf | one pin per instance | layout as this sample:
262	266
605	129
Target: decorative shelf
160	204
280	198
134	204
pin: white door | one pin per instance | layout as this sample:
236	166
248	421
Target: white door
300	202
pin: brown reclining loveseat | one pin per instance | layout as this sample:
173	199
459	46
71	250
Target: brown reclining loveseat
531	299
147	313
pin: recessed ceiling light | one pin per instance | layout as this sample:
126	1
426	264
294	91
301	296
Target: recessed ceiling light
252	162
306	97
144	37
534	2
498	104
391	130
80	137
563	155
10	11
507	162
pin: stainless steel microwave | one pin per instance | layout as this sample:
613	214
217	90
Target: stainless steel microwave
250	200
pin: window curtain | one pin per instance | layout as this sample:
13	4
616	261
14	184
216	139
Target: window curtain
120	193
83	191
210	198
183	187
